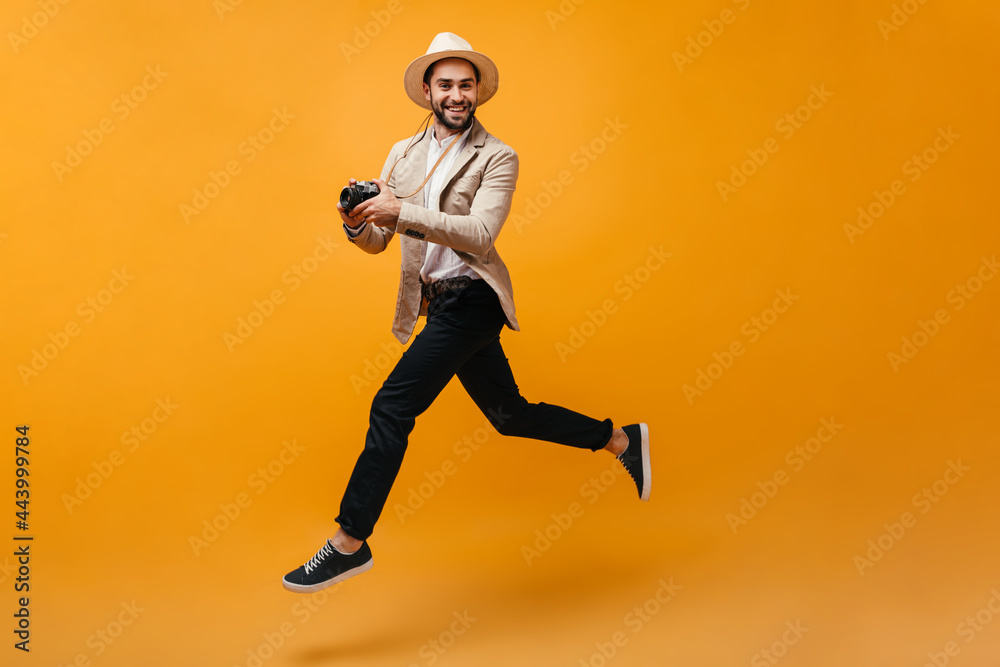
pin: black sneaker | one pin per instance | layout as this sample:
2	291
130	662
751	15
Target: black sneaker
328	567
635	458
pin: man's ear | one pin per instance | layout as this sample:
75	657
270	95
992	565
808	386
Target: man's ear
427	91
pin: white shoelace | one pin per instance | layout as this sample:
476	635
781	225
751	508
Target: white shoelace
320	556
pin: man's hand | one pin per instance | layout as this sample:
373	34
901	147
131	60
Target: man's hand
381	210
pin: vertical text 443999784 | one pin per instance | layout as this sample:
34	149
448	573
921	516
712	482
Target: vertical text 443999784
22	541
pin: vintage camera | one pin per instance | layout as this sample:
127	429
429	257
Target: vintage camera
353	195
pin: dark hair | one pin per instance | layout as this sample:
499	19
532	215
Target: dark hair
430	70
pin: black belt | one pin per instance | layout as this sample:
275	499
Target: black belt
439	287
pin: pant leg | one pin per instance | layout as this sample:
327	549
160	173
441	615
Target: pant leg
458	325
488	379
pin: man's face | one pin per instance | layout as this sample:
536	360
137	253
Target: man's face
453	93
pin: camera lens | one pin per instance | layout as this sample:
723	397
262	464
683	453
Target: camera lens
349	198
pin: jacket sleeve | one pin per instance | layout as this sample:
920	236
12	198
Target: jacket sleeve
476	232
370	238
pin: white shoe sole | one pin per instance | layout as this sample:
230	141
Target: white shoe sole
646	472
298	588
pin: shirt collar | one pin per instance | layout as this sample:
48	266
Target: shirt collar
438	146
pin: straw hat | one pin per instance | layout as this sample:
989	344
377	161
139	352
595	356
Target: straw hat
450	45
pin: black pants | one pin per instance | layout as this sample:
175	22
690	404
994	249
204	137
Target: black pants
461	337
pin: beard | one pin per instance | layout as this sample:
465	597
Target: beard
445	118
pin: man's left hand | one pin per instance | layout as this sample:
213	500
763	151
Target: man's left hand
382	210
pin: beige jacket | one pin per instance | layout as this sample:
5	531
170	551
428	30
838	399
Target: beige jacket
474	204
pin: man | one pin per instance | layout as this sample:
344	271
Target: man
460	181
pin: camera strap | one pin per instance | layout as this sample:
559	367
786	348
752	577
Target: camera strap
431	172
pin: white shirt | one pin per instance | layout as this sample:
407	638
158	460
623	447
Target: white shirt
441	261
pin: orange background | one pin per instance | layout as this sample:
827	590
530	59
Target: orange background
652	183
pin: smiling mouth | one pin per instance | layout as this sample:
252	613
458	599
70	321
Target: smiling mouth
456	109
